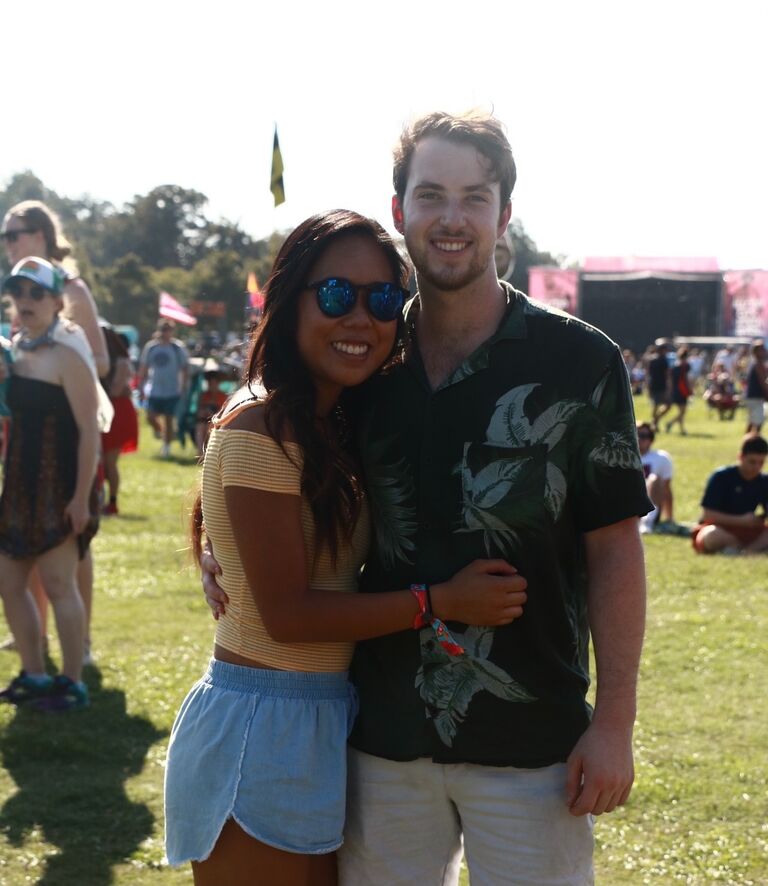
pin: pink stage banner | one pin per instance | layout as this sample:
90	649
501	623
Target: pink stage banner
554	287
745	308
635	263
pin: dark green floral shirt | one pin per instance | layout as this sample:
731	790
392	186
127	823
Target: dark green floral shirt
527	446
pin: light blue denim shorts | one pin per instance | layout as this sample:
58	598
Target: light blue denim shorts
266	748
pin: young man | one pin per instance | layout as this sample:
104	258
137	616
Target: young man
165	362
729	519
657	468
659	380
480	446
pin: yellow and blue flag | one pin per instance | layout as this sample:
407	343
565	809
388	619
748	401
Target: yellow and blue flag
277	187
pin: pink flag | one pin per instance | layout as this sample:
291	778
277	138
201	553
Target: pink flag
255	296
171	309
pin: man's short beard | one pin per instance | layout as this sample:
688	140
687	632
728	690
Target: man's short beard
447	281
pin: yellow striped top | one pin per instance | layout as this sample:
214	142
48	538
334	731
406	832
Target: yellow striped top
245	458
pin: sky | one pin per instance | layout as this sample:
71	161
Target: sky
638	129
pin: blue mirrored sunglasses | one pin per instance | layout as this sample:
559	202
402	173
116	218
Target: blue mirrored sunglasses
337	297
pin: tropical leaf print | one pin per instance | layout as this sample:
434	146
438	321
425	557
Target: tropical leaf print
617	449
496	681
478	641
390	489
552	424
493	482
500	497
555	490
509	425
597	394
448	684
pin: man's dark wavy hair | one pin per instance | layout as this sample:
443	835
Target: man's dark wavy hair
476	128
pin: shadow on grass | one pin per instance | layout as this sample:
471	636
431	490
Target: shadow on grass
70	770
184	459
128	518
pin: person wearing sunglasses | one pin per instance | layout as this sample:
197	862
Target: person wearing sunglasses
478	444
49	505
33	228
256	770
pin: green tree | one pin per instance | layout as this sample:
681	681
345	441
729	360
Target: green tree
169	226
127	292
221	277
526	254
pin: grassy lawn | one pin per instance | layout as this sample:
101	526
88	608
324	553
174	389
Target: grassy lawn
81	795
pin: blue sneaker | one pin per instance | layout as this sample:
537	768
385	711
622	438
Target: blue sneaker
25	688
64	695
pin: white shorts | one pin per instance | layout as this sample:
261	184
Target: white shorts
405	823
755	411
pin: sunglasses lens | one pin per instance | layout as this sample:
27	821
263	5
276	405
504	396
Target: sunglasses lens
335	297
385	301
10	236
15	288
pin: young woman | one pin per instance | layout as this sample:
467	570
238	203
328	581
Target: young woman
255	779
123	435
32	228
48	508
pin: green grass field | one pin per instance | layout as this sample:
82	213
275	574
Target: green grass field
81	795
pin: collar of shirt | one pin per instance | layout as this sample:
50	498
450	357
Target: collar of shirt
513	326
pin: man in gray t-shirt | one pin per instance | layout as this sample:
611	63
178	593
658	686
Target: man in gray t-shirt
164	362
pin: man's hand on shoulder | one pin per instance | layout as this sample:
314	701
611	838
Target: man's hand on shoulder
600	770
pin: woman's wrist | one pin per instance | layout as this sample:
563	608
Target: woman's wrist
439	597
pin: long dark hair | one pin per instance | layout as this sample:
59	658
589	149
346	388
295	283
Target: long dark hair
330	477
329	480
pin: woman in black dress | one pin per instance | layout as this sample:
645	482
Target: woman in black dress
48	508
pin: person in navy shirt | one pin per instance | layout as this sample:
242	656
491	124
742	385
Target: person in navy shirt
735	503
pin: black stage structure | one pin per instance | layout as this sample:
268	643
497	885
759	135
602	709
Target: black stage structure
635	308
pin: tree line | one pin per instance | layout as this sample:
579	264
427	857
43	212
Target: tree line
164	240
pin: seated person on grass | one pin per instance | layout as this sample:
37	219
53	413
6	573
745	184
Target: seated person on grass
657	467
729	520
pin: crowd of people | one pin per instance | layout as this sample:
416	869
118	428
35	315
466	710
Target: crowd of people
727	379
734	504
428	454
